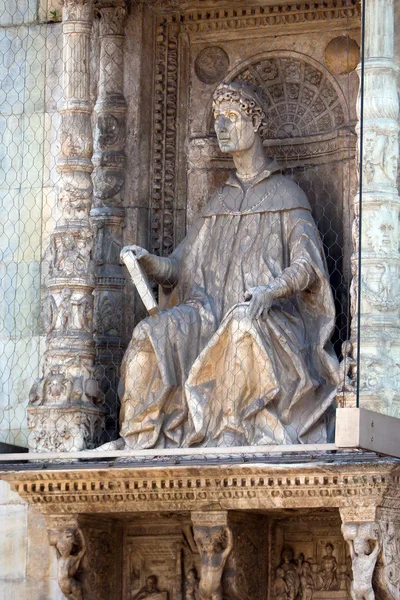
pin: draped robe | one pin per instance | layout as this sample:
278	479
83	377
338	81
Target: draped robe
201	372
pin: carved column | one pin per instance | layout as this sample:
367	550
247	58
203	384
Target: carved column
108	213
380	259
214	540
62	412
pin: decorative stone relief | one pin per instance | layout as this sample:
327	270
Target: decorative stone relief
342	55
211	64
192	585
301	100
380	155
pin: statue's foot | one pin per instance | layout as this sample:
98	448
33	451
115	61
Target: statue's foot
118	444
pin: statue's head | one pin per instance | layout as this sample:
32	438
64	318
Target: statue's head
239	111
151	583
66	542
329	548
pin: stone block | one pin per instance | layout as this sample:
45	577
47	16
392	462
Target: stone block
41	565
13	527
7	496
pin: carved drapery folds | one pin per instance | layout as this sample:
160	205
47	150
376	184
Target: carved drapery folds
380	262
108	214
63	412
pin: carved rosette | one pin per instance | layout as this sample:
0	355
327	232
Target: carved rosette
63	411
108	213
380	259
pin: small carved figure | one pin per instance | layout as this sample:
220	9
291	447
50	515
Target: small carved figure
345	576
214	547
149	589
68	562
306	582
84	312
192	585
291	575
64	309
347	368
364	561
281	590
328	568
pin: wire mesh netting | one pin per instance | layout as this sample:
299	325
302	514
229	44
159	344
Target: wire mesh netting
177	210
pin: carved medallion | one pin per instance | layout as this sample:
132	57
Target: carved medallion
211	64
342	55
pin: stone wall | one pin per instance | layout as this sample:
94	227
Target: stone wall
29	71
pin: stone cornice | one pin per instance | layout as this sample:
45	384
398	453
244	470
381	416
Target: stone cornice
355	487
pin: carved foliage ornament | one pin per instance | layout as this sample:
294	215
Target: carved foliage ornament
77	10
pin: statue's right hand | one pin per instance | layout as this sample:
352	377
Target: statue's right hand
137	251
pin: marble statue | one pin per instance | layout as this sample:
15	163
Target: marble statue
68	562
214	546
240	353
364	561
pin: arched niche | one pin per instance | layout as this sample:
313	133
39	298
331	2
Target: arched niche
310	131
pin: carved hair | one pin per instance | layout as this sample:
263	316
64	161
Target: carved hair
249	98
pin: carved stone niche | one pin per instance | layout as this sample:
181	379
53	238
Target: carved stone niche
162	560
309	558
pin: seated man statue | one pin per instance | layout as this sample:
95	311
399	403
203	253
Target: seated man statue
241	354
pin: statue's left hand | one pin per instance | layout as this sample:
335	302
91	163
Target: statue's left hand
261	298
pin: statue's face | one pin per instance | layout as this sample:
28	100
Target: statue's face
235	130
151	583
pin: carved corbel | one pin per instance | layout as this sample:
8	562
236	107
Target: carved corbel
214	540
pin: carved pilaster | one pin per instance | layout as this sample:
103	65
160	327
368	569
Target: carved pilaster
214	540
108	214
380	259
63	413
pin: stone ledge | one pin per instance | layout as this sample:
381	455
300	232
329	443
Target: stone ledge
356	487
